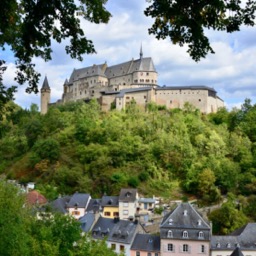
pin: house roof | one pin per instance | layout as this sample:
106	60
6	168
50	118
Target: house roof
60	204
184	216
146	242
87	221
94	205
237	252
123	231
102	228
110	201
147	200
243	237
128	195
79	200
34	198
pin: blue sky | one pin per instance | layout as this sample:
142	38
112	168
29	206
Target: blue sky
230	71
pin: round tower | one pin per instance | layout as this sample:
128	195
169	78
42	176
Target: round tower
45	96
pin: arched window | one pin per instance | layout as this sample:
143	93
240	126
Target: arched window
169	233
185	234
201	234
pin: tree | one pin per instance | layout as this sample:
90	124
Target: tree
14	221
184	21
28	28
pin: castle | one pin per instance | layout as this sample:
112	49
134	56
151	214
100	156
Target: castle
132	81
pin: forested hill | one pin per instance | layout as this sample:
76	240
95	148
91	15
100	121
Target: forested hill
169	153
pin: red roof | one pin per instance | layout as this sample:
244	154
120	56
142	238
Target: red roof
34	197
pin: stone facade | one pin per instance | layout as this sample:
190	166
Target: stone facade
135	80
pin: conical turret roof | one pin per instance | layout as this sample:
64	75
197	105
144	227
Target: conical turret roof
46	84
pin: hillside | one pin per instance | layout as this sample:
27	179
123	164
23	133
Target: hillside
169	153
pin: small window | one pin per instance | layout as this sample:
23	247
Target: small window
137	253
149	254
199	100
125	212
170	247
201	234
107	214
113	246
121	248
202	248
185	247
125	204
169	234
185	234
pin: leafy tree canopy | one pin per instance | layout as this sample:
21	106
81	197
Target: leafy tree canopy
184	21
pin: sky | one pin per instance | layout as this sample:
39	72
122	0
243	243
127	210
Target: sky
230	71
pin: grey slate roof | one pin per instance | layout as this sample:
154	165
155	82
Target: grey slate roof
45	84
237	252
102	228
143	64
110	201
123	232
127	195
189	87
94	206
146	242
131	90
244	237
87	221
60	204
185	218
79	200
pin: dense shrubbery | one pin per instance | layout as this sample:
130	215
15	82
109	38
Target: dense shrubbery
76	147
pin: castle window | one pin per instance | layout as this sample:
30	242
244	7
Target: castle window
202	248
147	73
170	101
200	234
170	247
169	233
185	234
145	97
185	248
199	100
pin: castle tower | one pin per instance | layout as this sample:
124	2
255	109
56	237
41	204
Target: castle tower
45	96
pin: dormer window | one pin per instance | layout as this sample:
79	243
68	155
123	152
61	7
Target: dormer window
185	213
170	221
228	245
169	233
185	234
201	234
218	245
199	222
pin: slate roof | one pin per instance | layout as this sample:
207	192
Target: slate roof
123	232
237	252
147	200
45	84
146	242
102	228
245	238
110	201
94	206
87	221
188	87
60	204
143	64
79	200
185	216
127	195
132	90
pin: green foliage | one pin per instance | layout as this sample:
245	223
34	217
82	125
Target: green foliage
227	218
47	149
184	22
